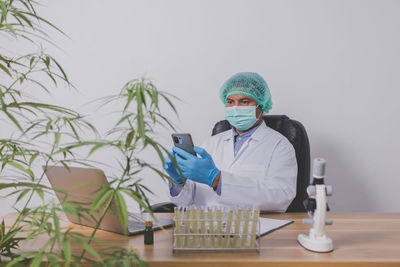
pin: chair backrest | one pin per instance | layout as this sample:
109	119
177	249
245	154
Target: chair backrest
294	131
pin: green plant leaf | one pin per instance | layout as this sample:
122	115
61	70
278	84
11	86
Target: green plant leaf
40	193
21	168
57	136
33	157
18	14
60	68
5	70
97	202
23	184
23	193
51	77
73	130
129	138
67	250
52	259
87	247
37	260
38	105
139	116
56	222
11	29
122	210
3	12
156	147
33	14
12	118
137	198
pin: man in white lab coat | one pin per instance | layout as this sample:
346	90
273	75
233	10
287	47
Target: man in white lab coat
250	165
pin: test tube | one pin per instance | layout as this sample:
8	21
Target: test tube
256	214
211	226
177	227
203	228
237	228
219	227
195	228
245	228
187	228
228	228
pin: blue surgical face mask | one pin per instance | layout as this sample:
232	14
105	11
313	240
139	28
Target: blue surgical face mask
241	117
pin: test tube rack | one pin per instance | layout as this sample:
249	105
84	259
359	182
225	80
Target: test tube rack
215	229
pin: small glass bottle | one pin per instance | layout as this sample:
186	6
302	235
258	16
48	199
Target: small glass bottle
148	233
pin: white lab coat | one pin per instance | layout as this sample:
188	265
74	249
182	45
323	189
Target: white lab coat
262	175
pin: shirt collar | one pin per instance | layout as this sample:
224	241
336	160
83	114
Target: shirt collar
245	134
256	133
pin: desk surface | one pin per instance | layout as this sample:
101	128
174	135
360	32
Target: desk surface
359	239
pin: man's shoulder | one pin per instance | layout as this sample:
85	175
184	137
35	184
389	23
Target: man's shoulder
272	133
224	135
279	141
271	137
264	132
217	138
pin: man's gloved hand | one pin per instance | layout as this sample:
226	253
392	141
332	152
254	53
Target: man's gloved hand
201	170
171	170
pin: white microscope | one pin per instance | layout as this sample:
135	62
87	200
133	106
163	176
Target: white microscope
317	240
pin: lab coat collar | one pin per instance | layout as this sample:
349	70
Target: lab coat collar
257	135
245	134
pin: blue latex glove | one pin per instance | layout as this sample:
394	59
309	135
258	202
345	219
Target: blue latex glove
171	170
201	170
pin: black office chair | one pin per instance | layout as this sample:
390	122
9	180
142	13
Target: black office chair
294	131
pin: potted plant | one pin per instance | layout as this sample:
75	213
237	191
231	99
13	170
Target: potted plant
40	133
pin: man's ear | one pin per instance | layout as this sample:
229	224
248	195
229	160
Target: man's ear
260	110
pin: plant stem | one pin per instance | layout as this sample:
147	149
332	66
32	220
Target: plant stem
33	190
102	216
97	225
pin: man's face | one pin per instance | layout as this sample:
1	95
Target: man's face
242	100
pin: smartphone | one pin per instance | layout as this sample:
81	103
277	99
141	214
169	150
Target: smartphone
183	141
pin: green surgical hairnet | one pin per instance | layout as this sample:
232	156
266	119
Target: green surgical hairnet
249	84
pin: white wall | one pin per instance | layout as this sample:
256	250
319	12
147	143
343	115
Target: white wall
333	65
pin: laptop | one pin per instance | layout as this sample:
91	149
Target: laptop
74	180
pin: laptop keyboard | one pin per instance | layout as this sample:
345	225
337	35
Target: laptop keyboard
134	225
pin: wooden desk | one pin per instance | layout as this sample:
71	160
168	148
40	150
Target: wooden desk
360	239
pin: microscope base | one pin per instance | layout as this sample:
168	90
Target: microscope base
322	244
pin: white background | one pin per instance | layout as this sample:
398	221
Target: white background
332	65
